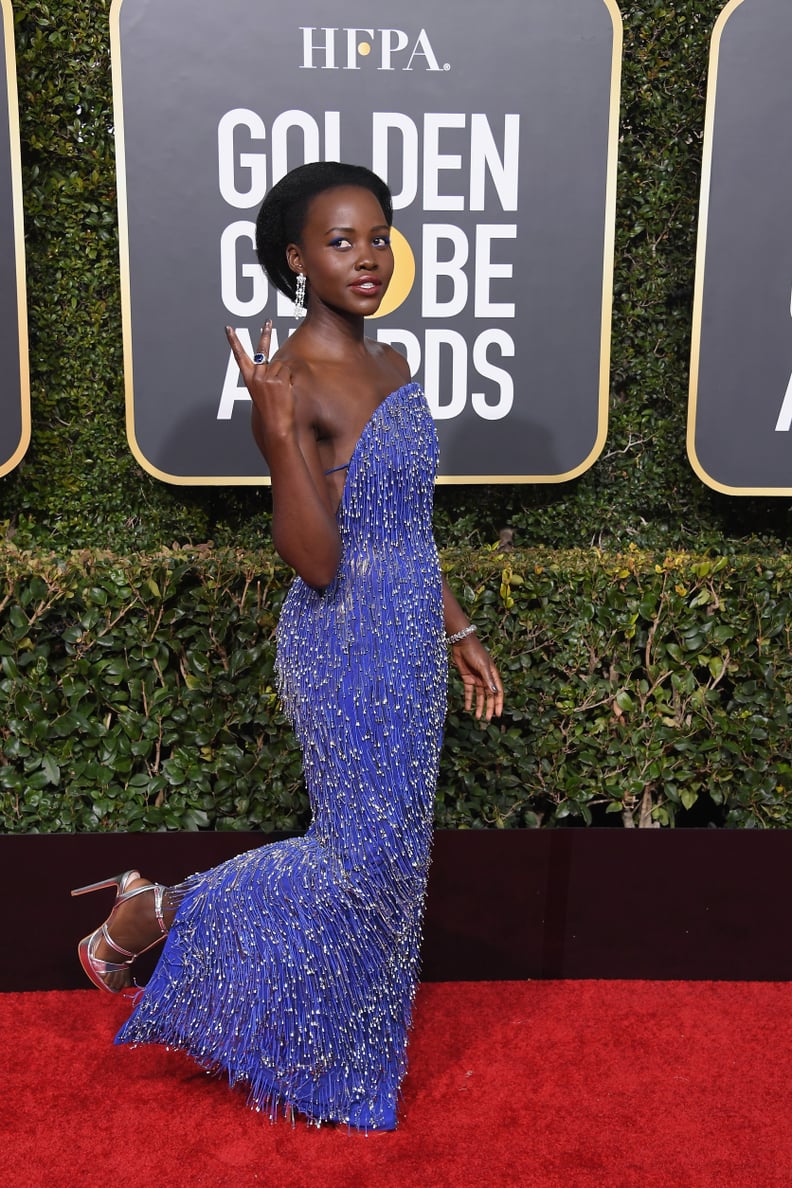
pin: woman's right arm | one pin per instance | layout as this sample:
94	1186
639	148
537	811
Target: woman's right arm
304	528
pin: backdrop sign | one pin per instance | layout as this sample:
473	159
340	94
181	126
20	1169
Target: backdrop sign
740	409
15	386
496	130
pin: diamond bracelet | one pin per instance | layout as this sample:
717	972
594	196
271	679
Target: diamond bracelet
460	635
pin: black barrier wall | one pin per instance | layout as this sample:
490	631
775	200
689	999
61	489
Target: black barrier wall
689	904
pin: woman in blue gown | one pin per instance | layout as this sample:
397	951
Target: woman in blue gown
293	967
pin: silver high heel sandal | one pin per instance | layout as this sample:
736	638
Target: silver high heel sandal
94	966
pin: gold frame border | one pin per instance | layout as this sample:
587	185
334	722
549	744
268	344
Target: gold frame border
19	238
473	480
701	259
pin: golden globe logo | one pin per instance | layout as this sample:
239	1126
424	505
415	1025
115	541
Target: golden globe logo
343	49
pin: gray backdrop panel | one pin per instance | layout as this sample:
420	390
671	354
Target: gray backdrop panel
182	66
13	389
743	317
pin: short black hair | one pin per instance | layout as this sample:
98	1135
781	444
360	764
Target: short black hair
281	218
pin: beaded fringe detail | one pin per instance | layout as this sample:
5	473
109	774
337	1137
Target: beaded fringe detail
293	967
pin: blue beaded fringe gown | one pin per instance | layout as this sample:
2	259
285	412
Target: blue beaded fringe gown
293	967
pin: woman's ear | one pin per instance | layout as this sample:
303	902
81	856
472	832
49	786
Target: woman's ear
293	258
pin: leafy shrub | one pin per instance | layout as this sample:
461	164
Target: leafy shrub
138	693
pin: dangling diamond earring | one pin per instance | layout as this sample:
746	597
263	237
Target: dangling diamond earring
299	296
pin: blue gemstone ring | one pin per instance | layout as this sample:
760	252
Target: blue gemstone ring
260	358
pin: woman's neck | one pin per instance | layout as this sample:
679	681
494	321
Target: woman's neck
333	332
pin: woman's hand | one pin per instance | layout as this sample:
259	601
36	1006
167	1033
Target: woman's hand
271	390
479	676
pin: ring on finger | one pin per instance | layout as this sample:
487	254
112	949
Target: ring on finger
260	357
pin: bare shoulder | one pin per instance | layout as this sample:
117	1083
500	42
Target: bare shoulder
287	356
389	359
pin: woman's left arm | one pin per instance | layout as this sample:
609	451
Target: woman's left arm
479	674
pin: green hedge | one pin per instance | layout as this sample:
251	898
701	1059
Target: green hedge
138	693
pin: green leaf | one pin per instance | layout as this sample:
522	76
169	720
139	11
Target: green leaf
688	797
716	667
51	769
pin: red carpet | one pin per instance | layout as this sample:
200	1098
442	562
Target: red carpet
547	1084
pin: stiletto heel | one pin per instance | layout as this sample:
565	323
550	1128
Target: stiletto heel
120	882
95	967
